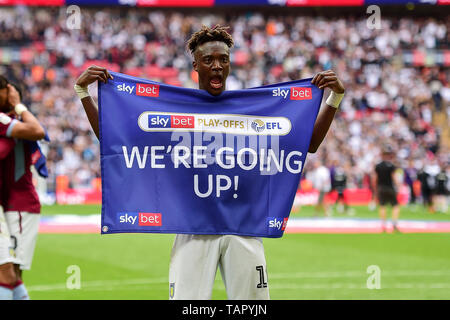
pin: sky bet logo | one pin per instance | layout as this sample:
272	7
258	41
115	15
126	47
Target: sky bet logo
140	218
147	90
278	223
170	121
142	89
297	93
126	88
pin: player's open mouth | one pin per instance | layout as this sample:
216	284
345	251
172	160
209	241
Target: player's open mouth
216	82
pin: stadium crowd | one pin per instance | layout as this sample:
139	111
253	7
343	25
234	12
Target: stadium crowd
386	101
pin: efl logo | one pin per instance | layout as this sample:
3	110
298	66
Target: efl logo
150	219
147	90
300	93
258	125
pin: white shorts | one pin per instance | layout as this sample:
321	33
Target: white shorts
6	256
23	228
195	258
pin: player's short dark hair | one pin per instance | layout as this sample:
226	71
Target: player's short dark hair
216	33
3	82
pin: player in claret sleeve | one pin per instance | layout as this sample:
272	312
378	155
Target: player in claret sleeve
8	277
195	258
7	274
19	198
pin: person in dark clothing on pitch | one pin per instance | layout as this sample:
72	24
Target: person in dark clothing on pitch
426	189
410	178
442	191
385	188
339	183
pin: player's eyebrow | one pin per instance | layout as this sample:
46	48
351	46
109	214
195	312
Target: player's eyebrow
211	55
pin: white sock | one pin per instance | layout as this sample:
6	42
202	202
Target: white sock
20	293
5	293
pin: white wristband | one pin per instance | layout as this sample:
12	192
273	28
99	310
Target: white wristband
19	108
82	92
334	99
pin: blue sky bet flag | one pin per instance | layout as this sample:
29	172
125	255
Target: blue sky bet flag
177	160
37	157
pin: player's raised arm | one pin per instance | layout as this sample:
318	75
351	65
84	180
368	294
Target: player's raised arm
326	79
375	185
90	75
29	128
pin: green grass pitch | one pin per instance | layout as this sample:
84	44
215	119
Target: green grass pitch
300	266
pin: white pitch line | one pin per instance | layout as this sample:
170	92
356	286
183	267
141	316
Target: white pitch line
111	284
340	285
352	274
100	284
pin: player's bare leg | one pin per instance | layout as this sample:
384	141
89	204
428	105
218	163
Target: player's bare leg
382	213
7	274
317	209
431	205
326	208
395	216
347	209
23	226
441	203
372	205
20	292
7	281
321	206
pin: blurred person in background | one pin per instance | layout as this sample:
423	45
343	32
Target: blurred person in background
428	178
385	185
442	191
339	184
373	196
321	180
410	173
426	190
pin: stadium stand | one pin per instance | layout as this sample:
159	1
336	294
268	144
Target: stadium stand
397	77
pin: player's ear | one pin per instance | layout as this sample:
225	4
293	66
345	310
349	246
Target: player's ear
194	64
